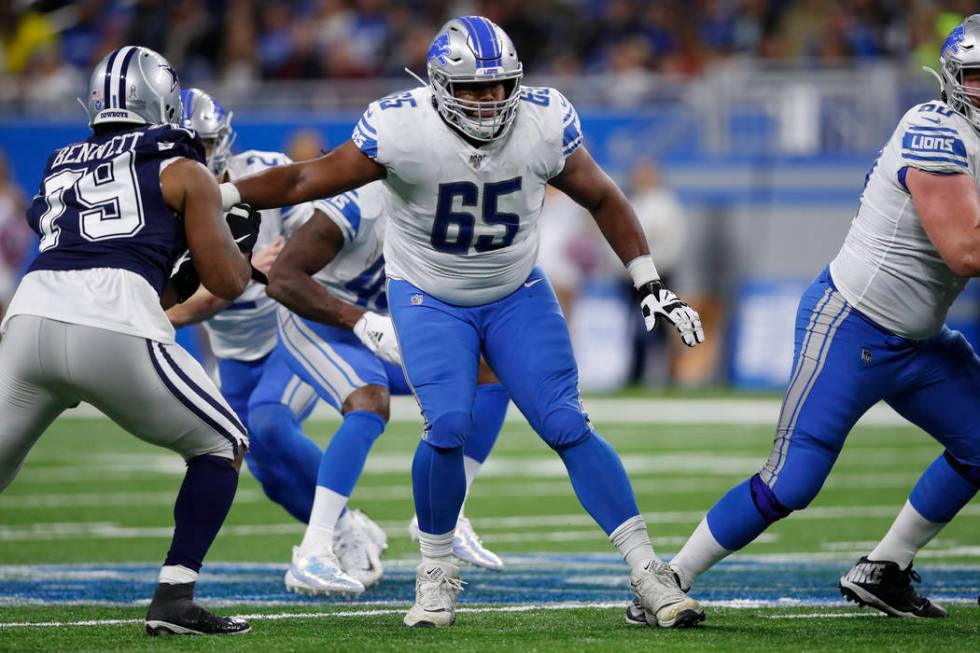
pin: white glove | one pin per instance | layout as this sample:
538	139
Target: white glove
657	300
377	332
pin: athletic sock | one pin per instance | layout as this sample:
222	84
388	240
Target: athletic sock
909	533
436	548
202	505
439	486
944	488
735	520
471	468
177	575
633	541
600	481
700	553
340	467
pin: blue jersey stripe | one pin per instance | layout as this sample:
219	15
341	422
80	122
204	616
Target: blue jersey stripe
367	128
947	130
937	159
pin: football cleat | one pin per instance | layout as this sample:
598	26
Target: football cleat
375	532
357	550
319	575
437	585
886	587
467	545
659	594
635	614
173	612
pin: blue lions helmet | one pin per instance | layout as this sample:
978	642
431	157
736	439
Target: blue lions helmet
961	52
203	114
468	50
134	85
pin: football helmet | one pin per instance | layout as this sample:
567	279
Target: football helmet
203	114
468	50
133	85
960	52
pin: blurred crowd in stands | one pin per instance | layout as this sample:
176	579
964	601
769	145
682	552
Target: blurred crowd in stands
49	45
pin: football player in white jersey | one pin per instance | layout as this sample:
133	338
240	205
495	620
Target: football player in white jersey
243	332
465	160
871	328
114	212
340	340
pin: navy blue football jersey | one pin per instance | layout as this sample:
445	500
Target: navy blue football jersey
100	204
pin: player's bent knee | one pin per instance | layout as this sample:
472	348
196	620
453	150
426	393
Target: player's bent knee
565	428
449	431
970	472
765	500
369	398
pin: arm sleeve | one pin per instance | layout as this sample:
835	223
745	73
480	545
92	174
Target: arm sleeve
365	134
932	147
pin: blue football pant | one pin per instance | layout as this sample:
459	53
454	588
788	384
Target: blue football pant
843	365
525	340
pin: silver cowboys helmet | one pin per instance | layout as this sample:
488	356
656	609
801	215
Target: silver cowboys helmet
203	114
468	50
133	85
961	52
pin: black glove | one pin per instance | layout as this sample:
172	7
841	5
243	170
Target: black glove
184	277
259	276
244	223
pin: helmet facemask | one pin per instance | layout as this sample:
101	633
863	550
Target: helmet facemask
963	99
480	120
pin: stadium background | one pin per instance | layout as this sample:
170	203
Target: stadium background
742	131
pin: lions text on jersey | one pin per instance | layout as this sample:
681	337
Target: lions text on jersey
888	268
463	220
246	330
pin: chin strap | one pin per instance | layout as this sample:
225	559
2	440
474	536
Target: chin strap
420	80
936	75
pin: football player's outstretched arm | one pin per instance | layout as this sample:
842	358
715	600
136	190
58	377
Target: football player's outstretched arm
310	249
340	170
191	190
585	182
949	208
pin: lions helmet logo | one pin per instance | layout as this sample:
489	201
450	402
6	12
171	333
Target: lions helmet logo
439	50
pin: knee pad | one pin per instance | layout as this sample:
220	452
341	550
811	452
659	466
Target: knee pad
449	431
966	470
765	500
565	428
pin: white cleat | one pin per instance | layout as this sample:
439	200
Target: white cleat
663	601
437	585
319	575
467	545
375	532
357	550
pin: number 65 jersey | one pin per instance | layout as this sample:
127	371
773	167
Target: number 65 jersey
463	220
108	239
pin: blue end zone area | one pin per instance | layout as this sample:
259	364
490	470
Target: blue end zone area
528	579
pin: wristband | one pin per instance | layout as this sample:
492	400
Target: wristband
229	195
642	270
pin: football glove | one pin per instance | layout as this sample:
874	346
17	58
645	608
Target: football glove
184	277
244	223
657	300
377	332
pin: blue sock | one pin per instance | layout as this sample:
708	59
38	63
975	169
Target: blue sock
283	459
489	410
735	520
943	489
439	485
600	481
343	461
202	505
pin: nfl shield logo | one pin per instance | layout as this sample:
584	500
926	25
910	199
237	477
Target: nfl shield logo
476	160
416	299
866	356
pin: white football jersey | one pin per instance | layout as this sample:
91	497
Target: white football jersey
463	220
357	273
888	268
246	330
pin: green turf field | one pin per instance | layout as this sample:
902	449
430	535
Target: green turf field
98	502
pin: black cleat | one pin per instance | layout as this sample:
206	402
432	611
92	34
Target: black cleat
635	614
885	587
173	612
